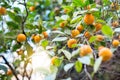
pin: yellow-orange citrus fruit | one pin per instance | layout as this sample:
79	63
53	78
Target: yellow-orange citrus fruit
115	43
71	42
100	47
99	37
37	38
89	19
53	60
85	50
105	53
9	72
66	10
54	28
21	37
87	34
87	7
63	24
20	52
98	26
32	8
115	24
2	11
80	28
74	33
45	34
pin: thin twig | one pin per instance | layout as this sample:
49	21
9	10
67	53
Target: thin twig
85	69
7	63
25	18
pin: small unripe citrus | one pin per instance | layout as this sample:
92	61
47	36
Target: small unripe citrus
9	72
63	24
45	34
87	34
80	28
105	53
115	24
2	11
89	19
98	26
71	42
100	37
87	7
37	38
53	60
20	52
85	50
115	43
32	8
21	37
74	33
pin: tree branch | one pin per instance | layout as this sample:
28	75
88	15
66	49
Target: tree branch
85	69
25	18
7	63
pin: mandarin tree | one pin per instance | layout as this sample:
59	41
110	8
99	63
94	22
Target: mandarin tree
59	39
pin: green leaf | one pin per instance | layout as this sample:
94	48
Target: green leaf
12	25
58	61
107	30
44	43
92	39
75	52
97	64
81	3
67	54
78	66
76	19
117	30
68	66
85	60
11	15
60	39
29	49
4	68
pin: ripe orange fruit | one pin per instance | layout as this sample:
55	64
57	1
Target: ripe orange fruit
2	11
85	50
32	8
115	24
87	34
80	28
37	38
98	26
100	47
115	43
100	37
74	33
20	52
89	19
105	53
53	60
45	34
21	37
9	72
71	42
63	24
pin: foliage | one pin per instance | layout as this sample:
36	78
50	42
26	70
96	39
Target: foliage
58	18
